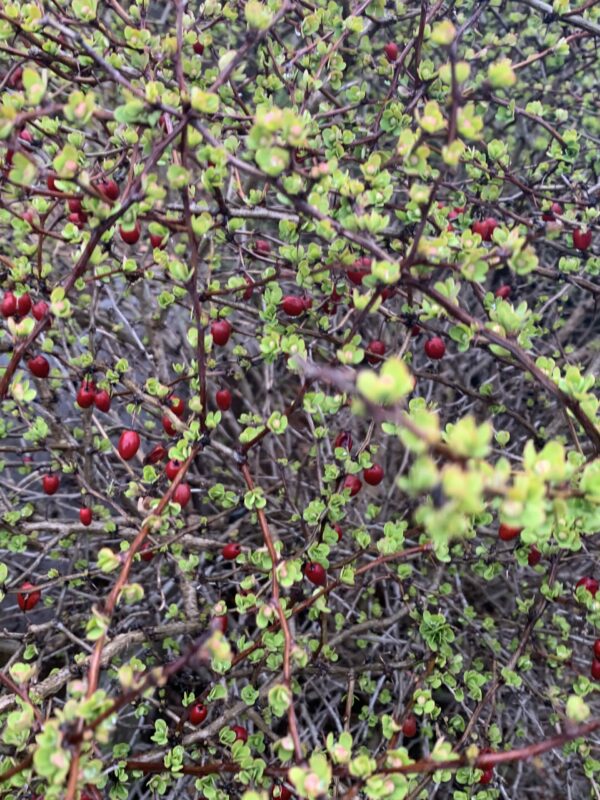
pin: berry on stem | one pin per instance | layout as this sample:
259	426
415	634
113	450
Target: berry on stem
129	443
220	332
315	573
198	713
157	454
241	734
582	239
435	348
23	304
595	669
102	401
85	516
343	439
39	366
130	235
373	475
485	228
589	583
409	726
597	649
40	309
172	469
50	483
375	351
391	51
168	426
182	494
8	307
86	394
293	305
534	556
223	398
231	551
27	599
508	532
353	483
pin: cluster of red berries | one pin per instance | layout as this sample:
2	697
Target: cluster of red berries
88	395
595	668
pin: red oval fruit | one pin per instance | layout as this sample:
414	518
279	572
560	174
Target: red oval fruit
23	304
158	240
338	529
507	532
129	443
591	584
262	246
78	218
353	483
198	48
595	669
50	483
373	475
293	305
74	205
391	51
39	366
554	211
8	307
582	239
182	494
231	551
435	348
315	573
503	292
131	235
485	228
375	351
488	776
145	551
220	623
534	556
168	426
26	598
409	726
279	792
85	516
241	734
220	332
359	270
198	713
108	188
177	406
51	182
223	398
343	439
157	454
597	648
86	394
172	469
103	401
40	309
248	291
25	136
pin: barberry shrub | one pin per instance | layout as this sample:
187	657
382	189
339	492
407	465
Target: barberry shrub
411	174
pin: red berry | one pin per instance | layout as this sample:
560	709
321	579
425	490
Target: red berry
103	400
39	366
50	182
8	307
145	551
359	270
485	228
129	443
595	670
231	551
597	649
262	246
198	48
158	453
182	494
172	469
315	573
131	235
391	51
23	304
78	218
488	776
198	713
279	792
177	406
85	516
249	290
108	188
27	599
591	584
74	204
337	528
534	556
373	475
503	292
507	532
25	136
40	309
220	623
29	216
16	79
158	240
582	239
223	398
220	332
353	483
86	394
50	483
293	305
435	348
168	426
554	211
375	351
409	726
343	439
456	211
241	734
